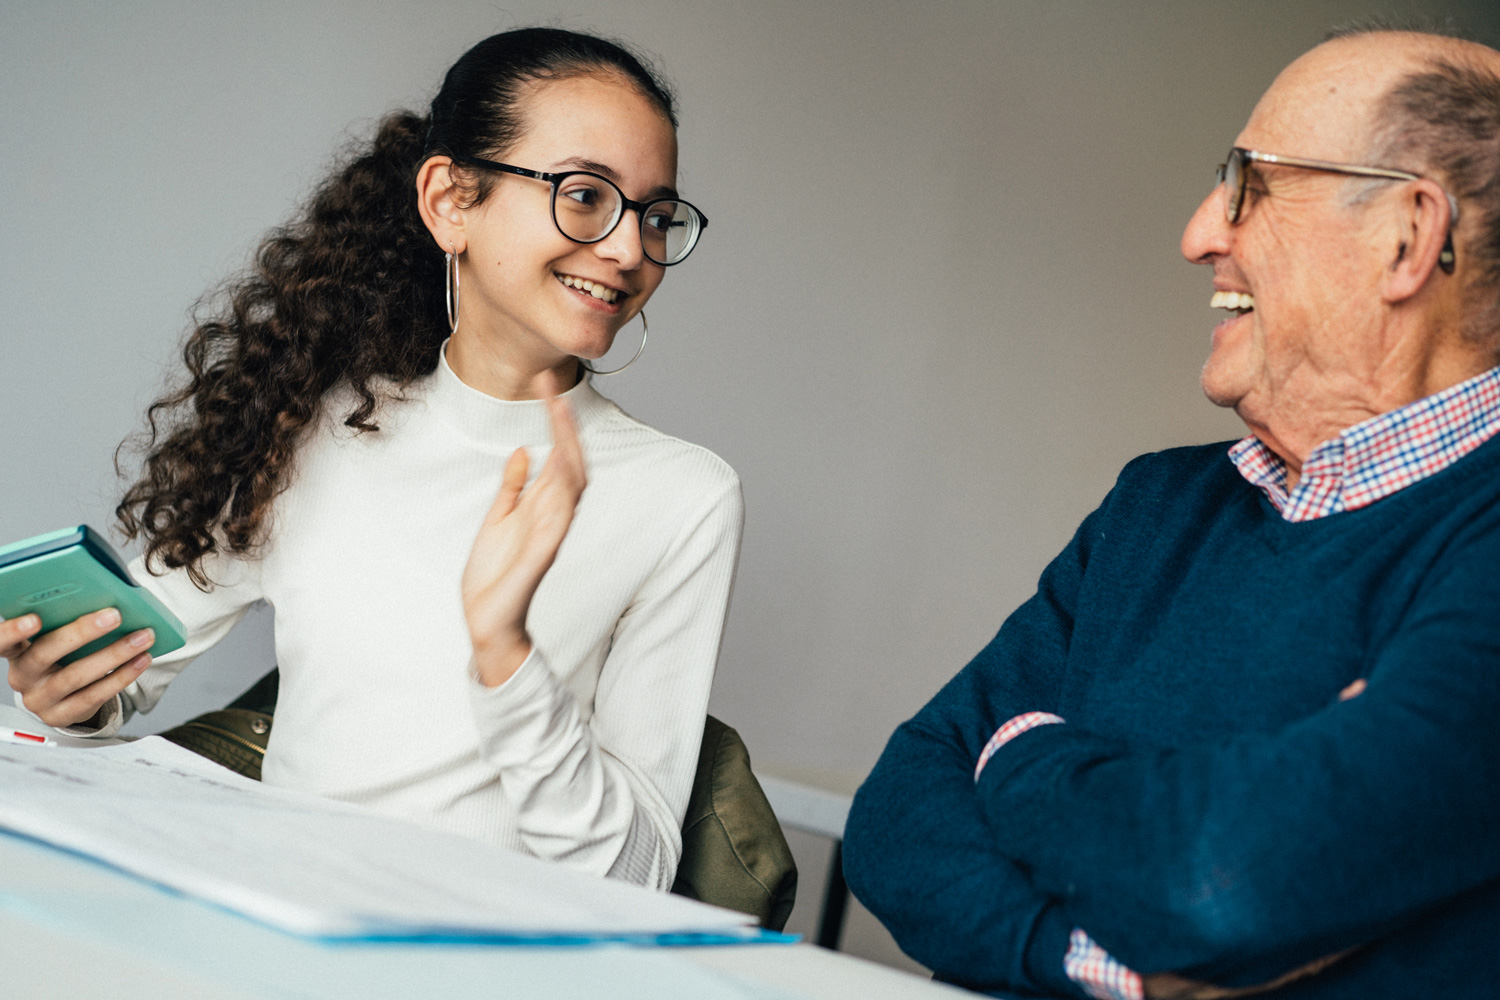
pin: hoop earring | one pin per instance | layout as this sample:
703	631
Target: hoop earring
450	265
645	332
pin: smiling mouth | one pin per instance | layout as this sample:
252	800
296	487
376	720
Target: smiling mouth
1238	303
599	291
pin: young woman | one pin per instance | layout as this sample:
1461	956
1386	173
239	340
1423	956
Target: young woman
526	664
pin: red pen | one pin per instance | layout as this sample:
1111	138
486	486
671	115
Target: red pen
30	739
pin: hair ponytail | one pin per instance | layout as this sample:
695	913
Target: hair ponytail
349	293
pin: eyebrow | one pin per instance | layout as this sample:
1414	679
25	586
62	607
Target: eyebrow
605	170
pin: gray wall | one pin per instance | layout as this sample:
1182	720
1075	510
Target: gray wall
939	306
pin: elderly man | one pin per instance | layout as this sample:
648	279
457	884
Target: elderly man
1246	736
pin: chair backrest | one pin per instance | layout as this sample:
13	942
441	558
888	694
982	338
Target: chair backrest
733	851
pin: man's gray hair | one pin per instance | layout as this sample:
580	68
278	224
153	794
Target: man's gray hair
1443	121
1416	24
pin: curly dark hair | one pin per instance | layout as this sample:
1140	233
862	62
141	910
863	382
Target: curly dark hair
350	293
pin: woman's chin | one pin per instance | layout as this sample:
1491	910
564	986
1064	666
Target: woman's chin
588	349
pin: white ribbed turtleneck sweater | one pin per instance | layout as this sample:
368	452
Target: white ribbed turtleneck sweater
587	754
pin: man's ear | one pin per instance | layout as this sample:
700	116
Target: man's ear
438	200
1424	220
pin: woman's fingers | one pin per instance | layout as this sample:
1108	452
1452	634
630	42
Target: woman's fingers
66	695
554	496
84	703
511	485
564	429
15	633
52	693
555	493
547	507
567	453
48	649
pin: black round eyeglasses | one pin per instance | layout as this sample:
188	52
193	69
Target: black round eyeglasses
587	207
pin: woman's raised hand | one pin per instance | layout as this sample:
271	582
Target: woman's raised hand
67	695
517	544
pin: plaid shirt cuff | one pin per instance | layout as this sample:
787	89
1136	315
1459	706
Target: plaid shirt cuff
1015	727
1101	977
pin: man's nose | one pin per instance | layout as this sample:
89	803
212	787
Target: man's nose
1208	233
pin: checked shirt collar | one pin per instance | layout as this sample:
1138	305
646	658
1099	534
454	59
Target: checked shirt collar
1379	456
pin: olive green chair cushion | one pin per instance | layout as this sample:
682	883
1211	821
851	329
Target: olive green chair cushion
733	851
234	737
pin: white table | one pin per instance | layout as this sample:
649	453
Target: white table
70	927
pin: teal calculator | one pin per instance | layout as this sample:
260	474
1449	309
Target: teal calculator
67	574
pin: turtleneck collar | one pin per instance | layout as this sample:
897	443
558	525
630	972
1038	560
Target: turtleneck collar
509	423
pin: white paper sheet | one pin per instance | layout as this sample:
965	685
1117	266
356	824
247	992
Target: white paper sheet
314	866
127	940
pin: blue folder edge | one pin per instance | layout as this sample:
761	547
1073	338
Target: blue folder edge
752	935
756	935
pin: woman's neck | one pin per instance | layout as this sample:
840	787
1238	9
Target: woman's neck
492	372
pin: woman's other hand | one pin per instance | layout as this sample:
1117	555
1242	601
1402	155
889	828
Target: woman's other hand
67	695
517	544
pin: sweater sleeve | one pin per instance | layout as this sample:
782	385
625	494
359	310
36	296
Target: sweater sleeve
1236	861
918	850
206	616
608	796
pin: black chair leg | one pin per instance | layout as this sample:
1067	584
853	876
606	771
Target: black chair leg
835	901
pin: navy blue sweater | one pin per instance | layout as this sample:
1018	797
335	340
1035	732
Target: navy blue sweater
1211	808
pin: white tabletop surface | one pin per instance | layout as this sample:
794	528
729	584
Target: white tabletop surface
71	927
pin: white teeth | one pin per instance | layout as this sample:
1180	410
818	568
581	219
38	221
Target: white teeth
598	291
1232	300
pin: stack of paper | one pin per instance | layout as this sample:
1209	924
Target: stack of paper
317	867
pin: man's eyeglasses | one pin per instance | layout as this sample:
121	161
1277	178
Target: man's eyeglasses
1232	173
586	208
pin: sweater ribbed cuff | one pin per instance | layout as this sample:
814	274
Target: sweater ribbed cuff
530	686
111	718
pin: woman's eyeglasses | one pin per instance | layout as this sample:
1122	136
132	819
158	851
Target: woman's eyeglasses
586	208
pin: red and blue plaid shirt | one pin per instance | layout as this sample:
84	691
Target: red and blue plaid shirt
1379	456
1365	463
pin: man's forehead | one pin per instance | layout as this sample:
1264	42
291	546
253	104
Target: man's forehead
1323	105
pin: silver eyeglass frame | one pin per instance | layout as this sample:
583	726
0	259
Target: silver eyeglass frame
1234	198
